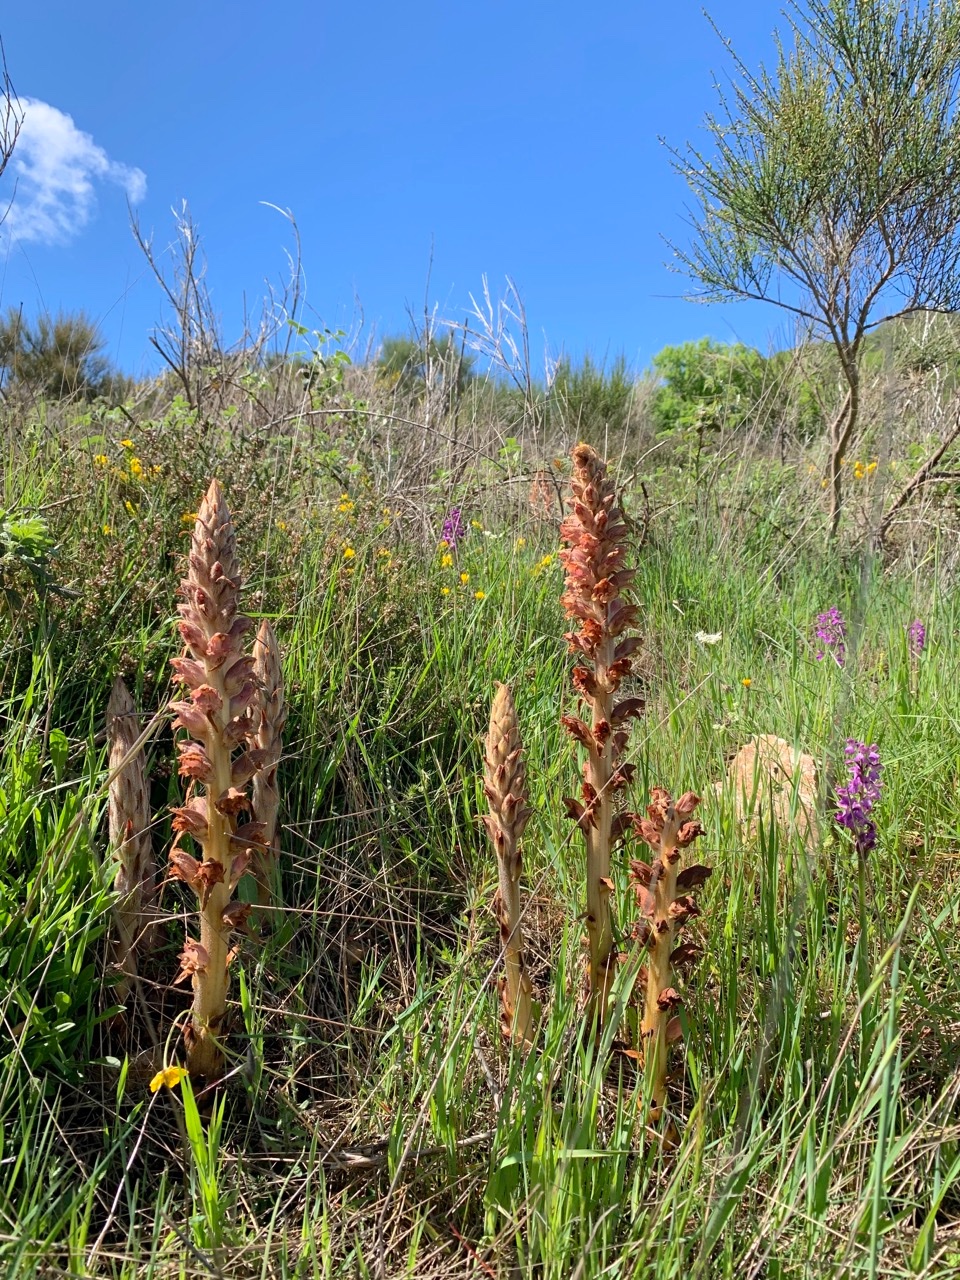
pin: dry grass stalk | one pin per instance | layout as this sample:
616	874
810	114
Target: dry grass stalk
768	775
665	905
504	781
128	811
595	578
219	759
544	498
271	716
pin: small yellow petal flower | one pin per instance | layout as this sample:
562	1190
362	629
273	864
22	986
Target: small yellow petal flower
871	467
107	530
447	560
169	1077
100	459
157	469
475	524
464	578
383	551
131	510
444	591
126	444
348	553
188	517
520	543
282	526
443	544
479	595
136	467
746	682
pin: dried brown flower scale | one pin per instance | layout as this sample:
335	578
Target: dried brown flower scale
595	580
219	762
504	781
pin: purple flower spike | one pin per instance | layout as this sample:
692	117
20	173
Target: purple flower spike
916	637
862	791
454	528
832	633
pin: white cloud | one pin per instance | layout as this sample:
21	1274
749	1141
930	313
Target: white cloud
56	166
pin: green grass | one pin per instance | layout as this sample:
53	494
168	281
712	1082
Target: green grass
373	1123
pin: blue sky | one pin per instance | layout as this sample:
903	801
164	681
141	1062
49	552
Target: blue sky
514	139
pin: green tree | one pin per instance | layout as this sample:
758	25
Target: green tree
707	384
833	187
592	398
410	365
59	357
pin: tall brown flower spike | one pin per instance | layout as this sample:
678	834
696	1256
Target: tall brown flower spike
665	905
504	781
271	716
130	840
219	762
595	579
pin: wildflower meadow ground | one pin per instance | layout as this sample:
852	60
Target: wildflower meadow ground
358	1110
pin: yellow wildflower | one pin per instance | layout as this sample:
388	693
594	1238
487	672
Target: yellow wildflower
464	578
136	468
168	1078
188	517
383	551
444	591
475	524
443	543
282	526
126	444
871	467
131	510
100	459
520	543
447	560
157	469
348	553
479	595
746	682
107	530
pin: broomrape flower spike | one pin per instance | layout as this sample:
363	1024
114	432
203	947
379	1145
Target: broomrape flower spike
595	579
128	809
271	717
504	782
855	801
665	905
219	759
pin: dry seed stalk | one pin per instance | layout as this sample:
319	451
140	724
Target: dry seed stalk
596	548
504	781
222	689
665	905
129	831
271	716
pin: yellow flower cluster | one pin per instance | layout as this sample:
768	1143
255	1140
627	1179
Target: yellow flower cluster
861	469
544	563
